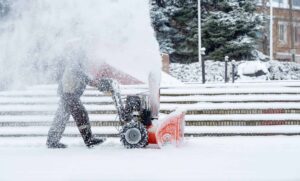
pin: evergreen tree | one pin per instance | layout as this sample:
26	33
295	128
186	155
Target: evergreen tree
176	29
229	27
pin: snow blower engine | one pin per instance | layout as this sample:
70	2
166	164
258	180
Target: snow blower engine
138	129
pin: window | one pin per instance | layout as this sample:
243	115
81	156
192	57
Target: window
282	33
275	3
280	3
296	3
259	2
297	34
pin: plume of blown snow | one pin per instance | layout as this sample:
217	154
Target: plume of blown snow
34	36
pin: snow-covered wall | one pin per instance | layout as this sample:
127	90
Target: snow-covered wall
34	35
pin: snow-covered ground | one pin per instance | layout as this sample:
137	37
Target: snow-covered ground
203	158
207	158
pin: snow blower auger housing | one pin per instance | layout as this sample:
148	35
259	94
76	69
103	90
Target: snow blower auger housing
138	129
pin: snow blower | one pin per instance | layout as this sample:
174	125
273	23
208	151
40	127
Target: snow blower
138	129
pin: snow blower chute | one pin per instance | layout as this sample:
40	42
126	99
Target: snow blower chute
138	129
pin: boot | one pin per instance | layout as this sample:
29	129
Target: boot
56	145
94	141
87	136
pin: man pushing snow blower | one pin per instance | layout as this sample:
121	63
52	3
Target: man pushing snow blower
139	114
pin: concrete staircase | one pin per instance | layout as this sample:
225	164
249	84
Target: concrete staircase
271	108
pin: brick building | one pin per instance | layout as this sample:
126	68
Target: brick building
286	29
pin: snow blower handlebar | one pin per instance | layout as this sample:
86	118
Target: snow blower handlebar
112	87
136	107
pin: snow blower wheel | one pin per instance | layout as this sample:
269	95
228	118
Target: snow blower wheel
134	135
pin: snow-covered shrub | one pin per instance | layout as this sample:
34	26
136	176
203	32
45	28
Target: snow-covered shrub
283	70
214	71
246	70
252	70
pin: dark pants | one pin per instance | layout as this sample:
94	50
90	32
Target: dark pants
69	104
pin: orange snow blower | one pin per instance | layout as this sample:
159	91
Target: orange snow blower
168	130
138	128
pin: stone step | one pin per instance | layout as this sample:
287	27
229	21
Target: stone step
53	93
239	111
231	91
198	109
244	130
103	100
107	135
188	112
45	112
191	120
106	100
189	131
281	83
188	123
178	91
230	98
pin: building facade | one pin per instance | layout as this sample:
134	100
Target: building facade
286	29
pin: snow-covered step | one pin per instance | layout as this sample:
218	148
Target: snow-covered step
231	98
219	91
165	91
53	93
43	130
210	105
213	106
189	131
200	108
50	109
53	100
55	86
244	117
106	100
49	122
243	130
239	111
38	118
273	83
191	120
112	117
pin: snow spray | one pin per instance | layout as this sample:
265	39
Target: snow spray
34	33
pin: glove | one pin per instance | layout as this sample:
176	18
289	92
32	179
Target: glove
105	85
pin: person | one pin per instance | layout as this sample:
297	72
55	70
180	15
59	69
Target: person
71	87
